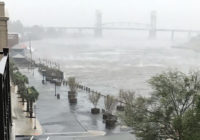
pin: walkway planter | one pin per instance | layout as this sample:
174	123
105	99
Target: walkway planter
71	94
95	110
73	100
105	115
110	123
110	120
120	108
72	97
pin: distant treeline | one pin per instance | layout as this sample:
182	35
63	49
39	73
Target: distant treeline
35	32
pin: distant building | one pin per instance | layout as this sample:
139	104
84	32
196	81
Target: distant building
18	54
17	50
13	39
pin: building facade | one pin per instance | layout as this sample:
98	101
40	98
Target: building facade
3	27
5	95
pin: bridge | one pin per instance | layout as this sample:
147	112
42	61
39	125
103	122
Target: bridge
129	26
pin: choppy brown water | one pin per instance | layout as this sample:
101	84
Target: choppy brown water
113	63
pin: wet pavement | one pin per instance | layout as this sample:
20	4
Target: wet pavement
60	120
22	125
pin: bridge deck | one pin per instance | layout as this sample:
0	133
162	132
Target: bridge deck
127	28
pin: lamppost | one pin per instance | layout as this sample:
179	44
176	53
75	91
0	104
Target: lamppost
43	71
55	88
35	116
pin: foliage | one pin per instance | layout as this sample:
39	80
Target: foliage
94	98
128	98
19	79
110	103
32	94
12	68
172	110
72	84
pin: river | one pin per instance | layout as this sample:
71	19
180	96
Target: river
104	64
113	63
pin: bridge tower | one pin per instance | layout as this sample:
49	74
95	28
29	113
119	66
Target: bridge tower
98	24
152	31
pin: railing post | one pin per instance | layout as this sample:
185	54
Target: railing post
5	51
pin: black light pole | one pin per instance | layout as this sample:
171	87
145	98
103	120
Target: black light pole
55	88
35	116
43	75
43	71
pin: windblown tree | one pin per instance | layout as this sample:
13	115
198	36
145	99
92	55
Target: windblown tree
12	68
128	98
20	80
31	97
110	103
22	90
122	98
72	84
171	112
73	90
94	99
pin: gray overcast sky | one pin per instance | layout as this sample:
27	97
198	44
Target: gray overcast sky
171	13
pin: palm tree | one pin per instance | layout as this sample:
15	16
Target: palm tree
31	97
22	91
20	79
12	68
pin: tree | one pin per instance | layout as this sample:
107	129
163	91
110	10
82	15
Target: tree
73	87
172	110
110	119
19	79
12	68
31	97
94	98
22	90
72	84
128	98
110	103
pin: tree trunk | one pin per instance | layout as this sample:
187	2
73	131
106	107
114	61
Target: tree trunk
31	109
23	101
27	106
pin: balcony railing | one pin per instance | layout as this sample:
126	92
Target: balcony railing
5	96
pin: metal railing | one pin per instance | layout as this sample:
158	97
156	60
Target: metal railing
5	96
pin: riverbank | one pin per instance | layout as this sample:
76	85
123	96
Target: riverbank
60	119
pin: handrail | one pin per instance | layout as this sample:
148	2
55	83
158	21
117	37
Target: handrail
5	97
